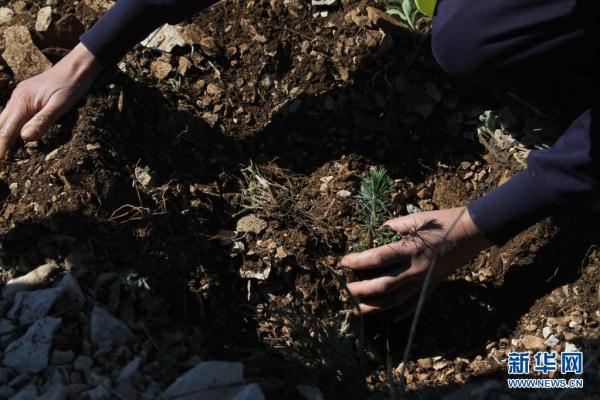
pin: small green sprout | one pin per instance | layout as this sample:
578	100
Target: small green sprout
176	84
374	200
136	281
404	10
488	123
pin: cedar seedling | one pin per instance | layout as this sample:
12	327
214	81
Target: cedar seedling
374	200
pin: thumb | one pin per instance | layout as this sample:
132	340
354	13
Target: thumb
42	121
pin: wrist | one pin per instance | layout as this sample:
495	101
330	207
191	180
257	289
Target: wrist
471	230
81	64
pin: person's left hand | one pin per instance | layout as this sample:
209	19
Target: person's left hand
406	262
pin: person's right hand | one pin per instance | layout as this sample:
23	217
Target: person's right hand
399	269
38	102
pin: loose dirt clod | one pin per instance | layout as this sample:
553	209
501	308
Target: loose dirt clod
165	39
21	55
6	15
251	223
44	19
531	342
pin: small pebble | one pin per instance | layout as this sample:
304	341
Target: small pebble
551	341
76	377
547	331
83	363
573	324
531	342
570	347
62	357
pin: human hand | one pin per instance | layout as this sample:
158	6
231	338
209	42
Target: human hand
39	101
399	269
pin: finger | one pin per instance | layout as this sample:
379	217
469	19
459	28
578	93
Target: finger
384	303
10	129
42	121
3	115
391	253
17	102
381	285
402	225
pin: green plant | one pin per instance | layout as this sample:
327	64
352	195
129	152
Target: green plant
260	192
404	10
134	281
176	84
489	123
374	201
147	303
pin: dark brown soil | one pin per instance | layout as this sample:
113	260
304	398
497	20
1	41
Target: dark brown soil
314	103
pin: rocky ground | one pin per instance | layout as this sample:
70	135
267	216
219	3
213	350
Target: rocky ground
195	207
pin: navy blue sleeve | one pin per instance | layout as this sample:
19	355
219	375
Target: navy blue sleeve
130	21
508	41
558	179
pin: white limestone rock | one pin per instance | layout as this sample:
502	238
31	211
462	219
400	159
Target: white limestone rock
30	353
105	327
